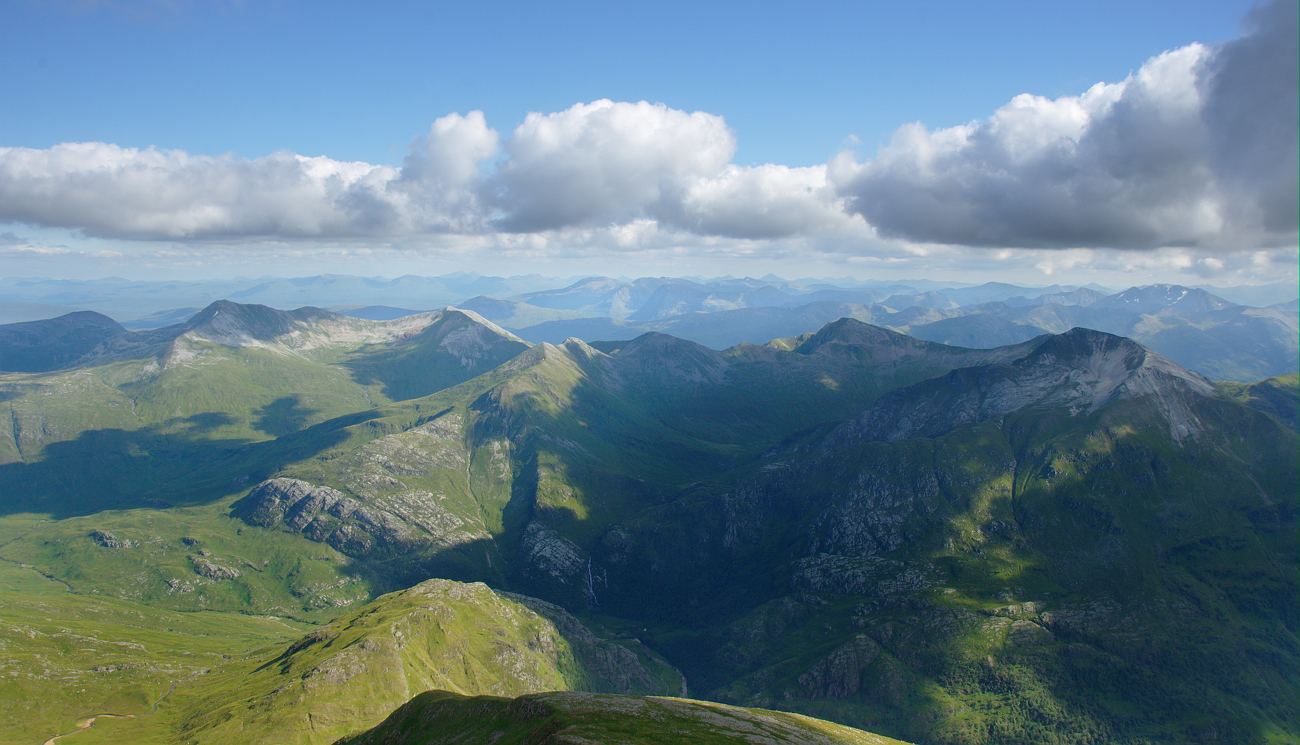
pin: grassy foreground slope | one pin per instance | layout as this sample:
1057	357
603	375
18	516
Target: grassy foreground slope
348	675
65	657
560	718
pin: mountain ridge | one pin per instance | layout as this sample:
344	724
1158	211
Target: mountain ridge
1081	370
1008	570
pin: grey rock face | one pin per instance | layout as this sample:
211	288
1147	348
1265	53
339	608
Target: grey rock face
395	521
546	554
108	540
296	502
206	568
856	575
839	674
322	514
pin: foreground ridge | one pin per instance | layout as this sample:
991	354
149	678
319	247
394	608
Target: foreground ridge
565	717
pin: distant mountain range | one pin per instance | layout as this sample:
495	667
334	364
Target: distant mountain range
1069	538
881	528
1198	330
132	302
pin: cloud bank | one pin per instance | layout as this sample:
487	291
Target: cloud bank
1197	149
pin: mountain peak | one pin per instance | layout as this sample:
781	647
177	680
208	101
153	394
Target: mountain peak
1080	371
40	346
661	354
238	325
1080	343
470	315
852	332
1153	298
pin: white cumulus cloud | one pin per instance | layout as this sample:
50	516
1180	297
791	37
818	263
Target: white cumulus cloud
603	162
1198	148
756	202
438	187
106	190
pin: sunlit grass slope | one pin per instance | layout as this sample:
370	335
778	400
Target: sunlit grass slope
349	675
65	657
133	419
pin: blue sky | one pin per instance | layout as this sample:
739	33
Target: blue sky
356	82
792	85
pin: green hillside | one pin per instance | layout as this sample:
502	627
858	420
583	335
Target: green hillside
440	717
150	408
66	656
1279	397
37	346
350	674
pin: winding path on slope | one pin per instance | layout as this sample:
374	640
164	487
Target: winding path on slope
91	721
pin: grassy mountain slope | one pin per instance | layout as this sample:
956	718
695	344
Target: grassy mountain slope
553	718
69	656
348	675
1278	397
173	400
454	347
513	476
509	478
1069	539
190	559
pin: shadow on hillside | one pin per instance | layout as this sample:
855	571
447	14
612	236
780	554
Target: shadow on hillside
169	465
283	416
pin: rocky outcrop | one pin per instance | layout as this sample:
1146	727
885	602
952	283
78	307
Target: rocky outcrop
859	575
546	554
370	520
322	514
205	567
839	674
295	502
108	540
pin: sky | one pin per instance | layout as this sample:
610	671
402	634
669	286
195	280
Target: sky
1030	142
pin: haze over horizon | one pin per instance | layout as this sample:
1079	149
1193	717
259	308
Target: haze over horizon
201	140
